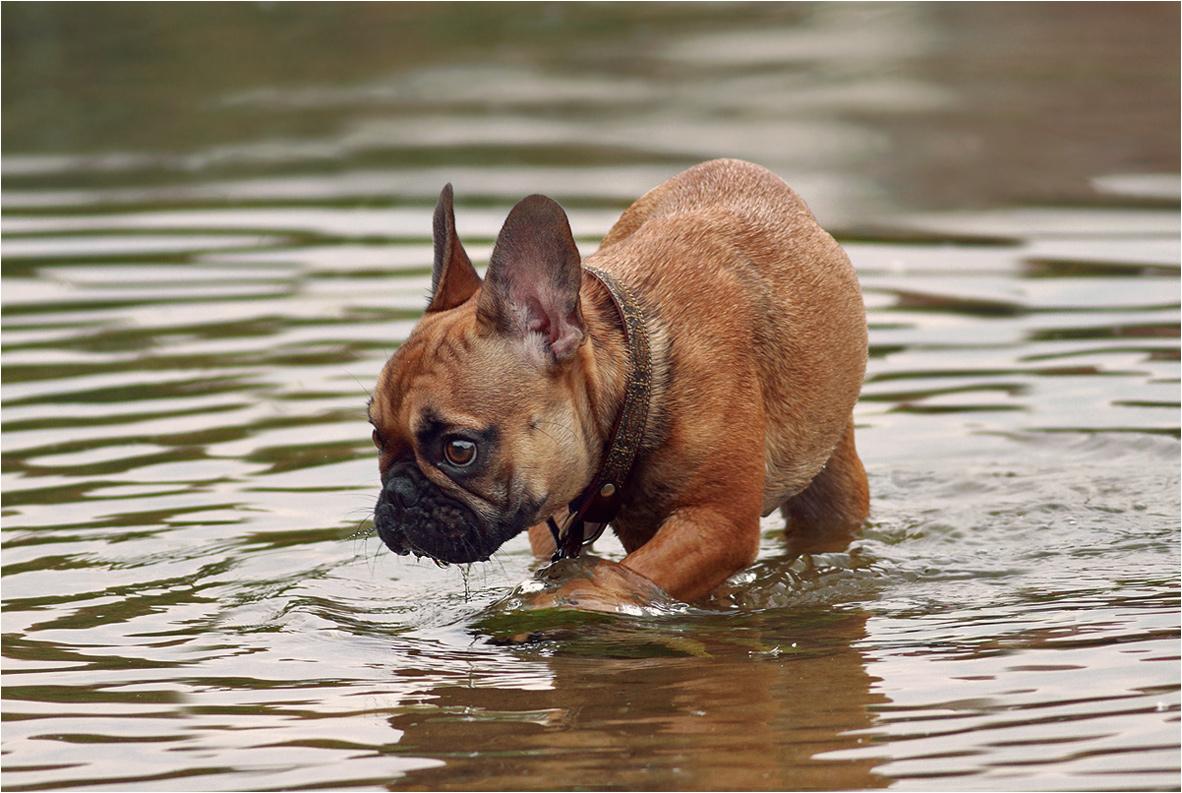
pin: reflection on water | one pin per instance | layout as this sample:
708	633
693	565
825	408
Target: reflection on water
206	261
757	720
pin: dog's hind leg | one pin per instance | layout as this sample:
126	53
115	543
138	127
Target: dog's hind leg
834	505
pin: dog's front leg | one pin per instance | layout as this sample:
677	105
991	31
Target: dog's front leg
541	541
597	584
696	550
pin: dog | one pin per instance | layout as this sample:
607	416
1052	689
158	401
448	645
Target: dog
695	373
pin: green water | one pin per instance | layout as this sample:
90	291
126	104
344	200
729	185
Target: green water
216	228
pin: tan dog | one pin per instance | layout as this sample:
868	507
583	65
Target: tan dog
499	410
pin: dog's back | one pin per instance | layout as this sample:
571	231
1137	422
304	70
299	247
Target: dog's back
774	300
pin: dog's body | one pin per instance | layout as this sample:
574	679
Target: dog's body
495	412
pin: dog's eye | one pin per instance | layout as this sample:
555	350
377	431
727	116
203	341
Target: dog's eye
377	441
459	452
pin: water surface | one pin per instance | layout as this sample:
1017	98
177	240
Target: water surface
206	261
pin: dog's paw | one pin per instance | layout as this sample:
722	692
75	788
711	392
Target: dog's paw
593	584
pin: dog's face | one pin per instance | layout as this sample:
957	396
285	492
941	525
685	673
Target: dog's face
479	415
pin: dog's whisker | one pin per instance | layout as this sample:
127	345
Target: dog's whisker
360	384
570	433
566	428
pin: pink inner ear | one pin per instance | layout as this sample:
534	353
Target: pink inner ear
533	280
537	320
545	314
564	343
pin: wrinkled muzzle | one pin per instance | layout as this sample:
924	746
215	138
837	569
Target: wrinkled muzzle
414	516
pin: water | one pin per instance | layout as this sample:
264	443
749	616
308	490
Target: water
207	260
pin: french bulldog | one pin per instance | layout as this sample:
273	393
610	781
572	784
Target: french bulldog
718	325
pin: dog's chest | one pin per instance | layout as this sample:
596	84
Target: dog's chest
649	498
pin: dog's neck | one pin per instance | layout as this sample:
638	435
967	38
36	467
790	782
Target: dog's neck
600	501
604	357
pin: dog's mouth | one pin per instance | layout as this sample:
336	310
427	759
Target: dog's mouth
414	515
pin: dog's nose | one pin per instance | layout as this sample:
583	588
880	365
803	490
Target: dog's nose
401	491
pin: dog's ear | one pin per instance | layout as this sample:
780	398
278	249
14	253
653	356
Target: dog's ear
453	279
531	290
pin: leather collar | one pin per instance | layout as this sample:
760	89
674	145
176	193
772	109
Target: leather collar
599	503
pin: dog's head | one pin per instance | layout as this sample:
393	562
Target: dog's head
480	417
